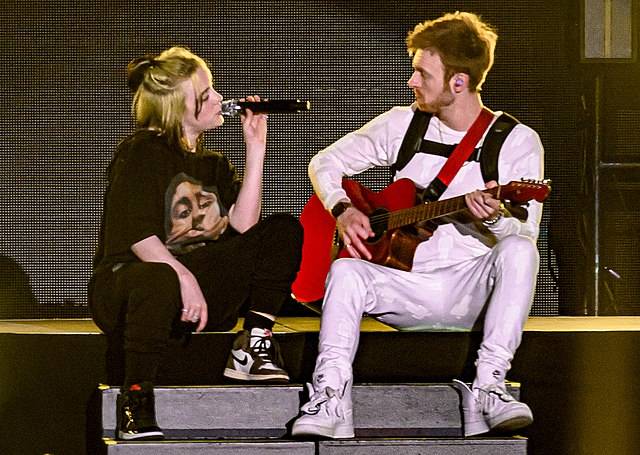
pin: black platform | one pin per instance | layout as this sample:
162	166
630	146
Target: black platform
579	375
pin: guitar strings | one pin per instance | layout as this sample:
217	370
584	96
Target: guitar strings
383	218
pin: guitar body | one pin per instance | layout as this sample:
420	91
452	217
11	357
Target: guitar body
394	218
395	248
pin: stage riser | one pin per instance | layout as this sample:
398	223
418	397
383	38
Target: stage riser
579	385
426	410
381	411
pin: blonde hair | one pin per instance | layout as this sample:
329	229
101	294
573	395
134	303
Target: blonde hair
158	100
463	41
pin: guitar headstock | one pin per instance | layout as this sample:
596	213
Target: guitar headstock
524	191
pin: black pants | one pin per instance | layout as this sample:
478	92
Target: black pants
138	305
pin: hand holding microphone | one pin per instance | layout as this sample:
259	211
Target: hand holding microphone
233	107
254	127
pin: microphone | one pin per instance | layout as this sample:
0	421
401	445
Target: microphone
233	108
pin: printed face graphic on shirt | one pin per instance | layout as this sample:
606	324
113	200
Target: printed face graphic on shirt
194	214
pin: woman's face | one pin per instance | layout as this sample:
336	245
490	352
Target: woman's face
202	105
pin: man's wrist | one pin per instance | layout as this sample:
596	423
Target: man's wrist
339	208
495	219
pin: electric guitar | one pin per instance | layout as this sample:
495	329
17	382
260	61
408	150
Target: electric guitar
393	214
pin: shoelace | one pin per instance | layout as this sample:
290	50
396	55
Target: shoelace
494	391
263	347
318	398
315	403
137	403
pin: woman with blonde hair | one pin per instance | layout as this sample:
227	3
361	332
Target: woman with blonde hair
181	240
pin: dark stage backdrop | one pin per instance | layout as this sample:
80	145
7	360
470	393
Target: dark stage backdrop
65	105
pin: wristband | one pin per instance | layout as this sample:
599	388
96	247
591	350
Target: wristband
494	220
340	208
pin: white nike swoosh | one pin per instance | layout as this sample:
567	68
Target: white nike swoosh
241	360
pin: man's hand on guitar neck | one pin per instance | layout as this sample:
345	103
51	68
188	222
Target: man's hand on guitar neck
354	228
483	205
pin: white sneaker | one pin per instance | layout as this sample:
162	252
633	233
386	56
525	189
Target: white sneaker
473	421
329	413
491	407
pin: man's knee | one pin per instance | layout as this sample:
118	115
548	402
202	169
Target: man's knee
517	260
346	271
517	251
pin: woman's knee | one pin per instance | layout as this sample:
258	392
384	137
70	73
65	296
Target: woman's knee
283	241
153	284
285	226
155	275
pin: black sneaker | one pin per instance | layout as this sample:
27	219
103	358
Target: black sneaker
255	356
136	414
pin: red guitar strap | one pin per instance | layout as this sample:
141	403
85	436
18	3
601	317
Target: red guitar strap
458	156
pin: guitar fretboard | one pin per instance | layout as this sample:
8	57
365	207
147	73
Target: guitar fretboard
425	212
518	192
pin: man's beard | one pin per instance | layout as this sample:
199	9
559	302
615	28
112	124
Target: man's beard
444	99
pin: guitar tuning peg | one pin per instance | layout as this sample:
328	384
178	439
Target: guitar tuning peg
525	181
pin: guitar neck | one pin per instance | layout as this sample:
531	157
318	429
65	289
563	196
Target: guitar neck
426	212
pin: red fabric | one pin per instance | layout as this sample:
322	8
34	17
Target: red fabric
465	147
319	227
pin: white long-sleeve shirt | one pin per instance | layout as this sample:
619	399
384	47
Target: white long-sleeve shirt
377	144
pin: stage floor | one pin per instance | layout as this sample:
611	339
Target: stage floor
312	324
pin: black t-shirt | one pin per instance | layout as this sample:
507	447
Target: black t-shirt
154	189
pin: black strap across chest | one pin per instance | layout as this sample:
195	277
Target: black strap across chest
412	140
487	155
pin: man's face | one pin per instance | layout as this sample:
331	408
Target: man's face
201	95
432	92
